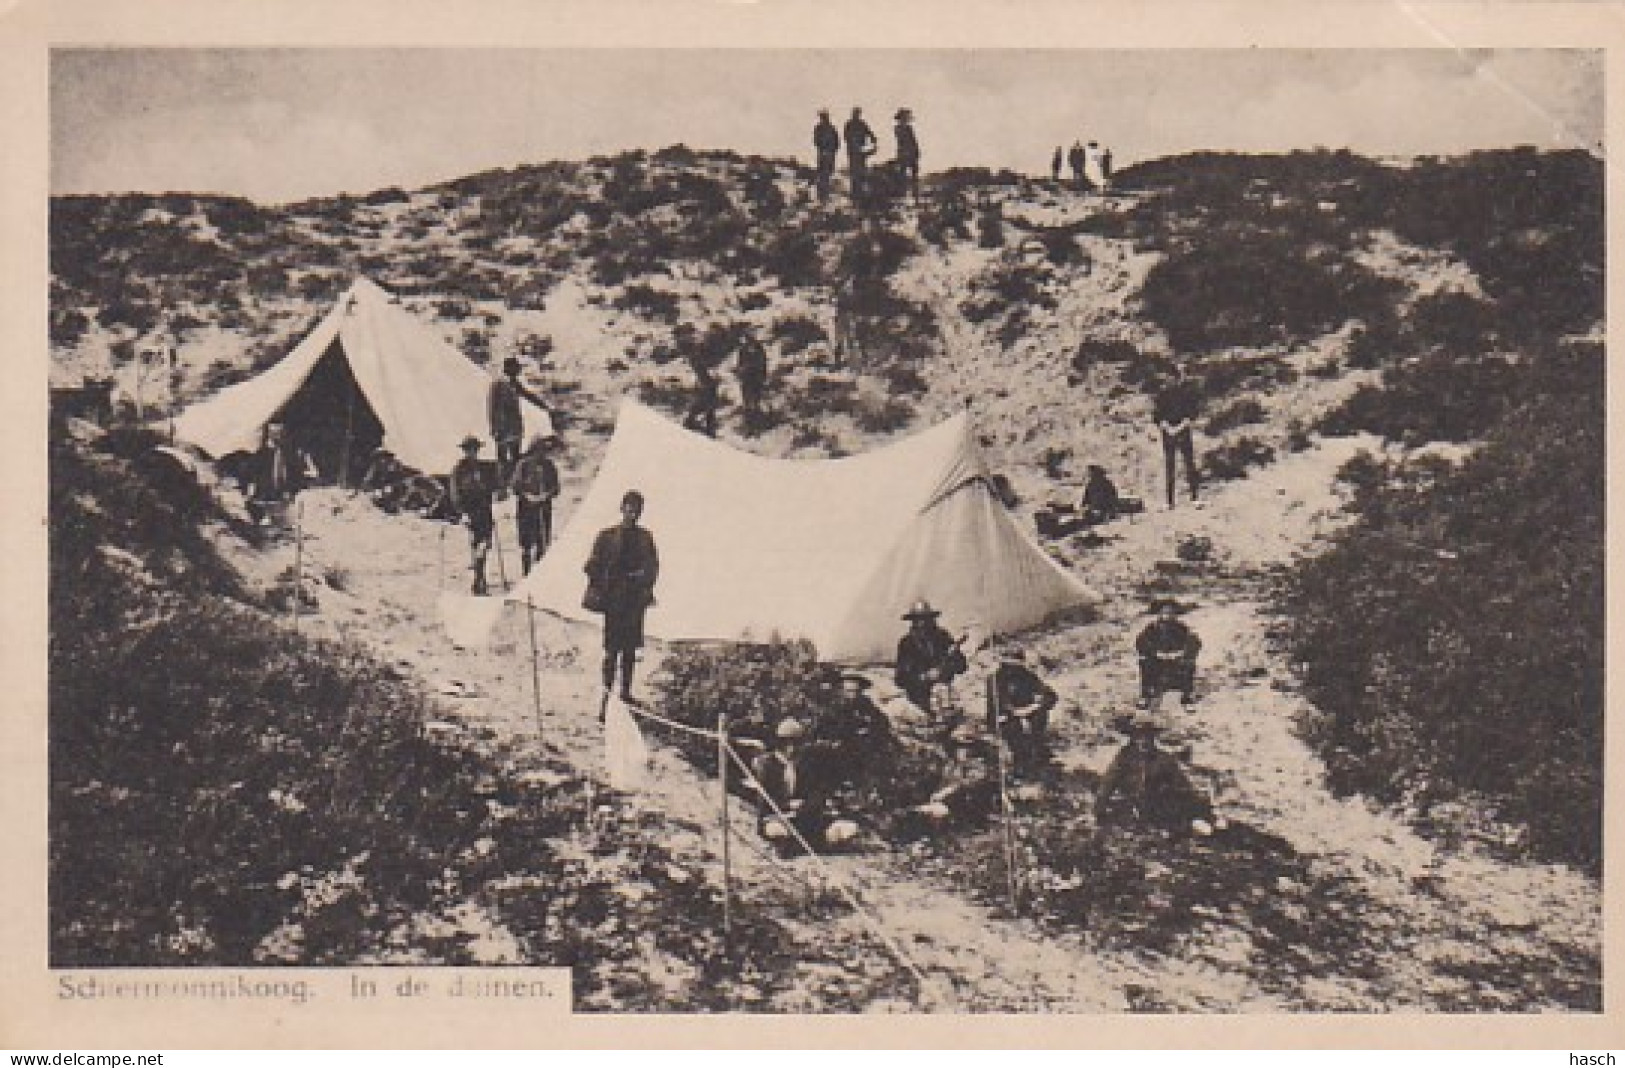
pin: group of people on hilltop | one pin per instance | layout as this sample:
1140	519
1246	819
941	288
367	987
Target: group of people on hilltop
861	146
1090	164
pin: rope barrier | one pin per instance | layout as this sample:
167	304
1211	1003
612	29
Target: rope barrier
672	723
869	919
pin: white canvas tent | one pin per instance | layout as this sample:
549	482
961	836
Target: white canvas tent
833	551
370	373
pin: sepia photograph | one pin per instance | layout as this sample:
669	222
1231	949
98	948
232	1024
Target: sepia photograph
825	531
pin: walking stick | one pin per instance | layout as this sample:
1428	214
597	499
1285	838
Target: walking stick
535	671
727	864
298	557
1004	797
496	540
440	574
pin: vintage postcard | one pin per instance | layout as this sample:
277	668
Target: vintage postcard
724	524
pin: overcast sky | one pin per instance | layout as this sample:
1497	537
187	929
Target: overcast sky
283	124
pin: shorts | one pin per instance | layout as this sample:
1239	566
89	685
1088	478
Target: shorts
481	523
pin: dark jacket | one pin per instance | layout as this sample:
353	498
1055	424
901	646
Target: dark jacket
860	140
1022	695
1168	638
791	782
535	479
623	566
502	407
1177	402
969	786
706	393
856	728
276	472
1100	497
925	648
908	146
1149	785
472	486
825	139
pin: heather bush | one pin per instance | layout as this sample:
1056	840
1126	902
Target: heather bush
795	333
1250	288
1061	246
68	325
761	189
758	685
660	305
1220	377
669	395
754	301
1236	414
1234	459
1453	637
791	256
944	219
903	380
884	416
1010	285
755	686
1092	351
1457	323
1431	398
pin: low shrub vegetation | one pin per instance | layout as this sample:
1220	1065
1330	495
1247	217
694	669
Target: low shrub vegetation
269	799
1233	459
1453	637
1238	413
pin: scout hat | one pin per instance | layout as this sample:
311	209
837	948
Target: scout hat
922	610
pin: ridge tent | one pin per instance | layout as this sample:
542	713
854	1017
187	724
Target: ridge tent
370	374
834	551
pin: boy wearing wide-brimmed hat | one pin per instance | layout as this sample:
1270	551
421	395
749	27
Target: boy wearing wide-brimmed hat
534	483
1167	651
927	657
856	733
1019	712
794	797
471	492
1147	785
